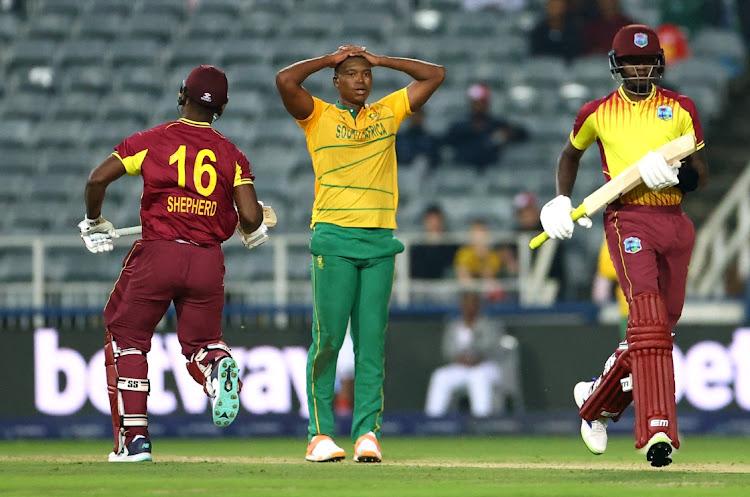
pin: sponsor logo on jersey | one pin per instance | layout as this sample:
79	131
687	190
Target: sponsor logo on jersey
206	97
640	40
320	262
664	112
632	245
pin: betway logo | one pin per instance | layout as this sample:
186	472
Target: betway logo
710	375
64	380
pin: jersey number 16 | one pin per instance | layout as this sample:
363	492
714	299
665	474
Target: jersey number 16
204	164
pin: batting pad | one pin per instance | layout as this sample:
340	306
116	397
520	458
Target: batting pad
650	345
608	400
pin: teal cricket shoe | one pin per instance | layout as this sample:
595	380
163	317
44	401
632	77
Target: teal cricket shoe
225	380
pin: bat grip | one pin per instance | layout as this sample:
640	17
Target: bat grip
542	237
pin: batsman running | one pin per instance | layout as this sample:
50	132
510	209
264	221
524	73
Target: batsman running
352	145
192	179
649	237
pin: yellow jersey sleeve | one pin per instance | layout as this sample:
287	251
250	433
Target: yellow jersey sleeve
133	162
398	102
310	121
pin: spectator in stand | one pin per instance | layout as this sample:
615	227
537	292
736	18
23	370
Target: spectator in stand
501	5
674	41
478	140
415	146
555	34
527	221
473	348
599	31
477	264
433	258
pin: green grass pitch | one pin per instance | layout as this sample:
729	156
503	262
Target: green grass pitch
430	467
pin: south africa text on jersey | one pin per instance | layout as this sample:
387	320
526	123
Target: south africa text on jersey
189	205
375	130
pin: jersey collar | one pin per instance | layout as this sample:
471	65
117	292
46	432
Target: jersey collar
351	110
200	124
625	97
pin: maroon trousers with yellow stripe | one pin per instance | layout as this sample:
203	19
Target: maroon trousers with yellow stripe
651	248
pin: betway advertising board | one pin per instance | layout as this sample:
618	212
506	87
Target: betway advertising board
60	372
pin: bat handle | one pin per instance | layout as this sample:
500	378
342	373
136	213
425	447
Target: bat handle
575	215
578	212
538	240
132	230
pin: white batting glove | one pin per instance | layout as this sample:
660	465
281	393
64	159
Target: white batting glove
255	238
656	173
97	234
556	220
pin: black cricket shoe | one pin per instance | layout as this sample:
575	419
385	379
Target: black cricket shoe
659	450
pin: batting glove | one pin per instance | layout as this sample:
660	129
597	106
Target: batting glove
556	220
656	173
255	238
97	234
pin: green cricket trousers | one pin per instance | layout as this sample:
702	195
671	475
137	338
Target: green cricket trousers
352	277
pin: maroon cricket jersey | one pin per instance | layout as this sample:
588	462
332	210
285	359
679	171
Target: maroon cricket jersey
189	173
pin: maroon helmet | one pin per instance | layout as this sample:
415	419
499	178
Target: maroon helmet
207	86
634	42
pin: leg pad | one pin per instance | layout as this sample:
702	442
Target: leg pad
608	398
650	346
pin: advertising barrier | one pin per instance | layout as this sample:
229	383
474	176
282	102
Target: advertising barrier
55	375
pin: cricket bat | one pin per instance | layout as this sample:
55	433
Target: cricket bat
673	152
269	219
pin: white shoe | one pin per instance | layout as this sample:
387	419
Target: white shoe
367	449
658	450
593	433
323	449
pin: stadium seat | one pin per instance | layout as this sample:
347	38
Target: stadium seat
26	53
251	77
121	8
56	186
8	28
52	27
25	106
209	26
157	27
15	266
261	27
132	52
174	8
456	179
64	7
82	52
107	134
723	45
91	80
15	184
100	26
700	70
15	133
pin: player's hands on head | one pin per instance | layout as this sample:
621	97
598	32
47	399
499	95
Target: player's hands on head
252	240
342	53
98	234
656	173
556	220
